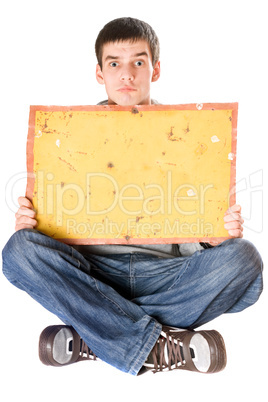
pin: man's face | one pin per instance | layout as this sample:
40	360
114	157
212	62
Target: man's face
127	72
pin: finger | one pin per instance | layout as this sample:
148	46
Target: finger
23	211
236	233
233	217
233	225
234	208
234	229
25	221
24	202
23	226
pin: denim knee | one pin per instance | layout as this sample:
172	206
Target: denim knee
16	249
246	250
17	242
246	259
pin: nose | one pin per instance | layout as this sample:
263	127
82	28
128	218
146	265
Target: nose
126	75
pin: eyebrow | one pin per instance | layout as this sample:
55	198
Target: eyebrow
110	57
141	54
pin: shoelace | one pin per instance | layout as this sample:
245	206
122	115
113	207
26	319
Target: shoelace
84	350
171	347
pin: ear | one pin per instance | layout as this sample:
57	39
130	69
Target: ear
156	71
99	75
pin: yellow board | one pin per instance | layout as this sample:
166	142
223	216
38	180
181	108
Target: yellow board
149	174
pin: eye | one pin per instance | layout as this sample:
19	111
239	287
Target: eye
113	64
139	63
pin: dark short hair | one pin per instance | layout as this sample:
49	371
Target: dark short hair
127	28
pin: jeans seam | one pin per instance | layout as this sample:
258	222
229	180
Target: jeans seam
76	259
131	277
181	275
137	362
112	301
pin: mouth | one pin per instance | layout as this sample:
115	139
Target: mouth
126	89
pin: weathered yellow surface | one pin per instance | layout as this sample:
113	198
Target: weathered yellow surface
109	176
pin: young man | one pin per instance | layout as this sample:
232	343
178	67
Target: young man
135	307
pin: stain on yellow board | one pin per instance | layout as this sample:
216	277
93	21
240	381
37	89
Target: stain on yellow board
149	174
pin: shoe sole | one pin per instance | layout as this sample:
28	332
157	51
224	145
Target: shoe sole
45	346
218	355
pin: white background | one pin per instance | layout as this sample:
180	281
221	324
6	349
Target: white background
211	51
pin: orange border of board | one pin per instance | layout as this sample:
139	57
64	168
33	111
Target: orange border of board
134	109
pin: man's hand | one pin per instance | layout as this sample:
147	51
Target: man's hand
233	223
25	217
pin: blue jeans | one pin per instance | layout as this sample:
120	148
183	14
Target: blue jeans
118	303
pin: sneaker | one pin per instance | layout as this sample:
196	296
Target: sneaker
60	345
201	351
